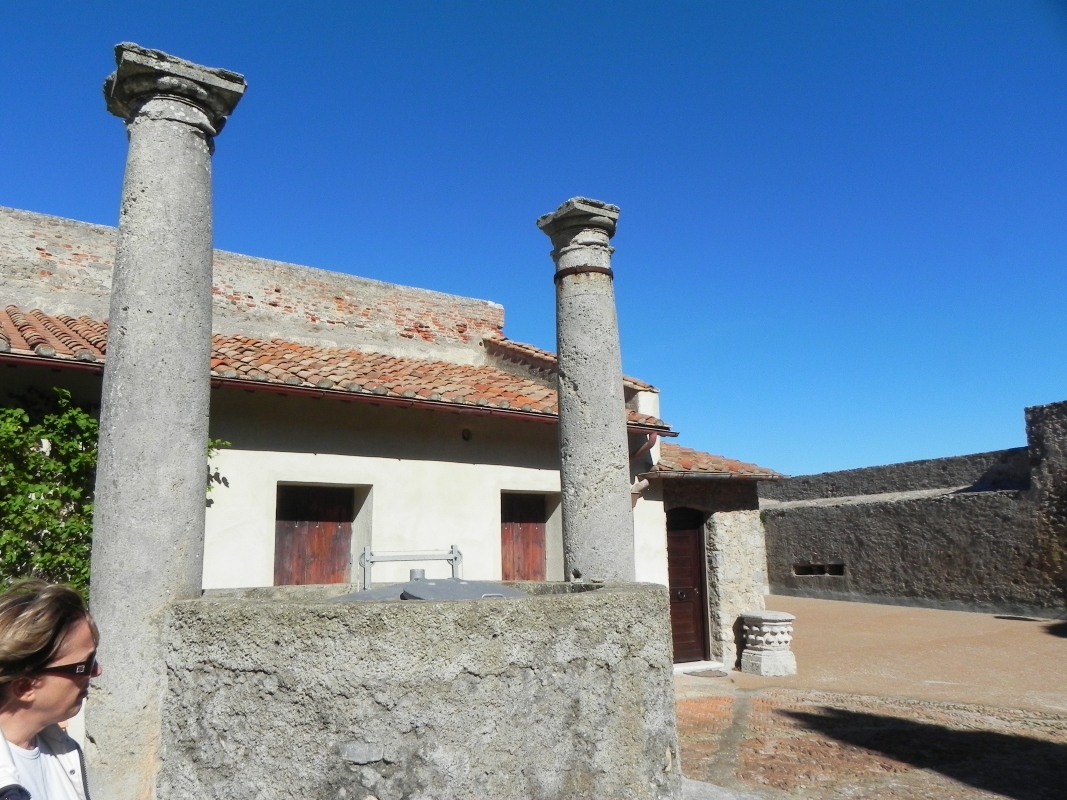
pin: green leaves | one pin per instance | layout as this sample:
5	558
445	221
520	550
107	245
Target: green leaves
47	472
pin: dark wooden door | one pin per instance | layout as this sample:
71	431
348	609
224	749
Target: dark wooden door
313	534
685	567
522	537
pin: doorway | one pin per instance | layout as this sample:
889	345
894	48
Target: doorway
687	571
313	534
523	555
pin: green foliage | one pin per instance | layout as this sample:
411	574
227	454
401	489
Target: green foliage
214	477
47	476
47	472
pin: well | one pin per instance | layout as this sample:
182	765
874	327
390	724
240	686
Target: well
283	693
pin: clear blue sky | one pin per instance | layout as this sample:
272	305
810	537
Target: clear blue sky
844	226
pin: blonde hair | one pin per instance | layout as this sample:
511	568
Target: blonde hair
35	618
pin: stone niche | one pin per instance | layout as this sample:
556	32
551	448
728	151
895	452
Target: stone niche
281	693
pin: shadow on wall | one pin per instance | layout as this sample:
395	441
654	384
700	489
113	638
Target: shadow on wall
1018	767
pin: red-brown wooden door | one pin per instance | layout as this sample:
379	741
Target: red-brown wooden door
522	537
313	535
686	569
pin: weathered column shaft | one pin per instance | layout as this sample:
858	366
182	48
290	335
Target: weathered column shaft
598	531
148	527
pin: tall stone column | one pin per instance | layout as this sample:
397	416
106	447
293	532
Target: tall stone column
598	527
148	526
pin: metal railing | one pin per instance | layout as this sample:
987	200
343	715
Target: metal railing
368	559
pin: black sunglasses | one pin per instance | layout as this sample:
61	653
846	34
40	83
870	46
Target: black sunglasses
86	667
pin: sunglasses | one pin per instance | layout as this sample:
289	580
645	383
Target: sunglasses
87	667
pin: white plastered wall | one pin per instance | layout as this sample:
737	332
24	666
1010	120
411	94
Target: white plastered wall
431	479
650	536
414	506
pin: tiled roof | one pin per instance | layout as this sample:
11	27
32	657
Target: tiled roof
545	360
678	461
286	364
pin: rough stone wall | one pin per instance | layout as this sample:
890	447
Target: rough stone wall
1000	469
972	550
737	576
981	532
1046	431
64	266
548	696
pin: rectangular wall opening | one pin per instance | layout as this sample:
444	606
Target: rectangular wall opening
523	552
837	569
313	532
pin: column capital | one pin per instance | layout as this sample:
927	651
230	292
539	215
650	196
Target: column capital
143	75
580	212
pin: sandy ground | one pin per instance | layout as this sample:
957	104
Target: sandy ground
889	702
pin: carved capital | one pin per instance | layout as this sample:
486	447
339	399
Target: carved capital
143	75
580	213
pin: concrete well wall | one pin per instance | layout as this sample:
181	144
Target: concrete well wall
276	693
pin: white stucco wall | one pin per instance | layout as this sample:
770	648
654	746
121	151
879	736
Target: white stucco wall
426	486
650	536
414	505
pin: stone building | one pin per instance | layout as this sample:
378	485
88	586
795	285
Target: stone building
362	414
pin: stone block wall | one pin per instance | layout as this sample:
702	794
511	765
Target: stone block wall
981	532
737	577
279	694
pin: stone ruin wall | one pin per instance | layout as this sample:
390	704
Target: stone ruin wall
64	266
274	693
984	532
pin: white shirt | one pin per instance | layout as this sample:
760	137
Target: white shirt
40	772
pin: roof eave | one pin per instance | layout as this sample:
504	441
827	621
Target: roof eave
711	476
340	394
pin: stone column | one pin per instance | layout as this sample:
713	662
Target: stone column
598	527
768	635
148	527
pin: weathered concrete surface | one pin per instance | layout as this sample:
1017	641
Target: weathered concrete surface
972	550
64	266
548	696
985	532
598	526
737	577
149	505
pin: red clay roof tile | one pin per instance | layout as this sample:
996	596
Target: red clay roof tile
334	369
678	461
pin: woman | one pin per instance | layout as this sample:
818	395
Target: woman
47	656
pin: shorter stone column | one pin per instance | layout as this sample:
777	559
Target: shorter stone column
598	523
768	635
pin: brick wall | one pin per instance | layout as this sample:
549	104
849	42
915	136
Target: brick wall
64	266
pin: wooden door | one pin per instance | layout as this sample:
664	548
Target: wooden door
313	534
522	537
686	568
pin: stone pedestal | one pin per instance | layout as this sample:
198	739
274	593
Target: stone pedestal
768	635
148	527
598	530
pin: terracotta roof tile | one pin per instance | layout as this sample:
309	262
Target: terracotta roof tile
545	360
340	370
675	460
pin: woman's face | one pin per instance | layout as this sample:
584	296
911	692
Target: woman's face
59	697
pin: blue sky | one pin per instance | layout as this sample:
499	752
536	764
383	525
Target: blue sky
844	224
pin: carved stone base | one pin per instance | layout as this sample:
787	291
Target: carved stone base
768	635
769	663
